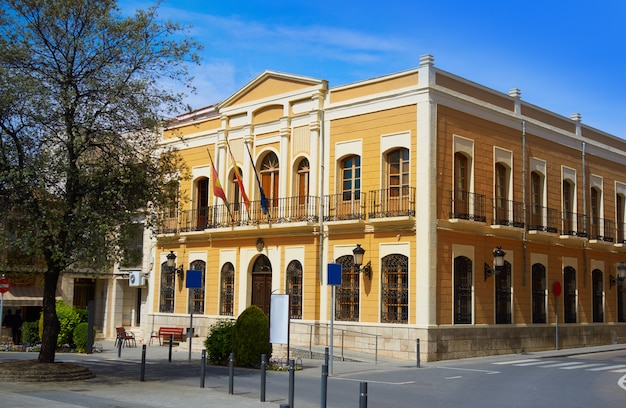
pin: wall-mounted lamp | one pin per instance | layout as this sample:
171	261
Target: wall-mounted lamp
358	253
621	276
171	263
498	262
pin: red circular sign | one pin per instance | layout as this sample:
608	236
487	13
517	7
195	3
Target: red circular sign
556	288
5	285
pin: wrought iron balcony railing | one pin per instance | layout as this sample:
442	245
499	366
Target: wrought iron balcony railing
543	219
601	229
467	206
508	213
344	206
392	202
573	224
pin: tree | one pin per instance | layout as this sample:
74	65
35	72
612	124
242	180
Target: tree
81	104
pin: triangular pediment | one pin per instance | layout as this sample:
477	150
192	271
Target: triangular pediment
268	84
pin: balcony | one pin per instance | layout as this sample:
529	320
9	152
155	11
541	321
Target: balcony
601	229
573	224
467	206
345	206
508	213
392	202
543	219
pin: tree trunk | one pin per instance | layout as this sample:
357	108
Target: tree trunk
51	326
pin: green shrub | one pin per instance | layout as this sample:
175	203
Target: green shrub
218	343
251	337
80	336
68	319
30	333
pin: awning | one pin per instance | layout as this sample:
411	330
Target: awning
24	296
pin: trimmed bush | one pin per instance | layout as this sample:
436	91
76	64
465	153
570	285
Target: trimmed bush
251	337
30	333
218	343
68	319
80	336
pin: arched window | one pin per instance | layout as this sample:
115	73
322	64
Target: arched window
462	290
619	212
568	208
202	204
594	221
235	191
196	295
461	186
398	183
347	295
501	196
351	178
537	218
598	296
227	290
395	289
539	293
168	280
302	183
269	177
569	294
503	295
294	289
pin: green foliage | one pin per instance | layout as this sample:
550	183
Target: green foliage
80	336
69	318
81	104
218	343
251	337
30	333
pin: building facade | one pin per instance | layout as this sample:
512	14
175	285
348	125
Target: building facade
432	175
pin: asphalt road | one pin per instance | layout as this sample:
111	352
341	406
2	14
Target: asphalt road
595	379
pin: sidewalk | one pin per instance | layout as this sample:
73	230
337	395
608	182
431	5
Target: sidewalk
160	391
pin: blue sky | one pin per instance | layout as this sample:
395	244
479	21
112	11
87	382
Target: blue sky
565	56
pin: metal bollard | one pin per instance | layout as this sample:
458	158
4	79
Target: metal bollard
171	344
119	345
291	381
231	373
326	356
143	363
418	352
202	368
284	405
263	377
363	395
324	393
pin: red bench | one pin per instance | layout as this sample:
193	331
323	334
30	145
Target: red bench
166	333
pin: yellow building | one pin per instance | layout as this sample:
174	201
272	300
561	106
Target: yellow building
429	173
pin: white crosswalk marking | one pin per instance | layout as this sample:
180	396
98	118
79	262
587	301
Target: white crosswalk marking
559	365
516	361
582	365
607	368
570	365
533	363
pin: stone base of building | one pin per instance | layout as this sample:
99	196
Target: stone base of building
435	343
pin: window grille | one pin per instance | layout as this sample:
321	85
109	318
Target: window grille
539	293
395	289
168	280
347	295
294	288
196	295
462	290
227	290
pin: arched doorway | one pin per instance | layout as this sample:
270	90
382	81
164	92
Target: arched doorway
262	283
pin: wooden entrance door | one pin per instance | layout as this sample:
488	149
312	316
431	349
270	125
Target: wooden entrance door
262	291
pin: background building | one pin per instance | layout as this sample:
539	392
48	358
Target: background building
429	173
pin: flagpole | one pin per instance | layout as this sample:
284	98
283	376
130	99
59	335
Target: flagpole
217	180
264	200
244	196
